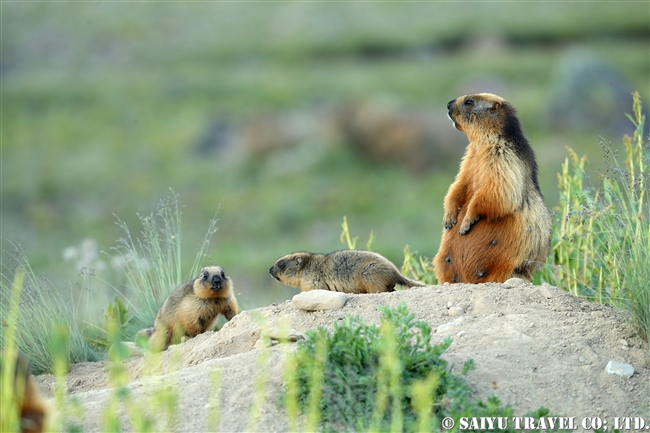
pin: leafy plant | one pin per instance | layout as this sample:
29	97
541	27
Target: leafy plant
388	377
116	317
350	242
418	267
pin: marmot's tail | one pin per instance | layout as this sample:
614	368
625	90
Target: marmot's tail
145	332
409	283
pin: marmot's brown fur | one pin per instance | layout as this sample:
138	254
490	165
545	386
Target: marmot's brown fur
30	405
193	308
349	271
504	227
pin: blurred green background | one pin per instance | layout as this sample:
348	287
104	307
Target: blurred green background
289	115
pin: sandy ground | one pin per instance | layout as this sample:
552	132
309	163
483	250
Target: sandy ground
533	346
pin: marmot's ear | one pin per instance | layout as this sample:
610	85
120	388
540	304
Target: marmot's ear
298	260
496	106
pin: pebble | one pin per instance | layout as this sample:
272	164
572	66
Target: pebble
597	314
456	311
619	368
283	334
514	282
548	291
319	300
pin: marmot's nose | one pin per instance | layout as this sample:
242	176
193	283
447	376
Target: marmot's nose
271	270
216	281
449	104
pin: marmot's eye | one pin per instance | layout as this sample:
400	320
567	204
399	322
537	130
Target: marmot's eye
206	274
282	264
469	102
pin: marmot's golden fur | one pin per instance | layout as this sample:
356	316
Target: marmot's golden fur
496	225
349	271
30	405
193	308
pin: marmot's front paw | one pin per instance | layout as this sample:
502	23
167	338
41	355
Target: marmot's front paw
467	224
450	219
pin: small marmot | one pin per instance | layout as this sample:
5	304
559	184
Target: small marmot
192	308
30	405
350	271
504	227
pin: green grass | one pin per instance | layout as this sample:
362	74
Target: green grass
601	238
40	308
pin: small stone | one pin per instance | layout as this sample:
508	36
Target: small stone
597	314
450	304
279	334
340	316
460	334
582	360
623	342
449	327
514	282
319	300
456	311
263	343
619	368
548	291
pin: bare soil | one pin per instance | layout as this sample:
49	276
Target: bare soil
533	346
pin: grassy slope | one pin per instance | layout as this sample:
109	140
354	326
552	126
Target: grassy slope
102	103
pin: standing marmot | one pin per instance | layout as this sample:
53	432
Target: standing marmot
349	271
504	227
193	308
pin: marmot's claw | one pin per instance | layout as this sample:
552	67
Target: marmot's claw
449	222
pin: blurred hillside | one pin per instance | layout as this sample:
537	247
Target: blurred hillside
289	115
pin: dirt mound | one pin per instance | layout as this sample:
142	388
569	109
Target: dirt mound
533	346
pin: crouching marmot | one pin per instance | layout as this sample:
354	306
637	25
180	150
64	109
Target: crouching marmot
503	227
193	308
349	271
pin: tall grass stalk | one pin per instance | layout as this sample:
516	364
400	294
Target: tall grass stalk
316	380
11	394
214	403
152	263
601	241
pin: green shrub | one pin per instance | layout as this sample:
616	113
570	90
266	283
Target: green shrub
388	377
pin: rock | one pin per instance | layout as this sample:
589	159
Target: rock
455	311
319	300
449	327
548	291
279	334
127	349
264	342
514	282
482	304
619	368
